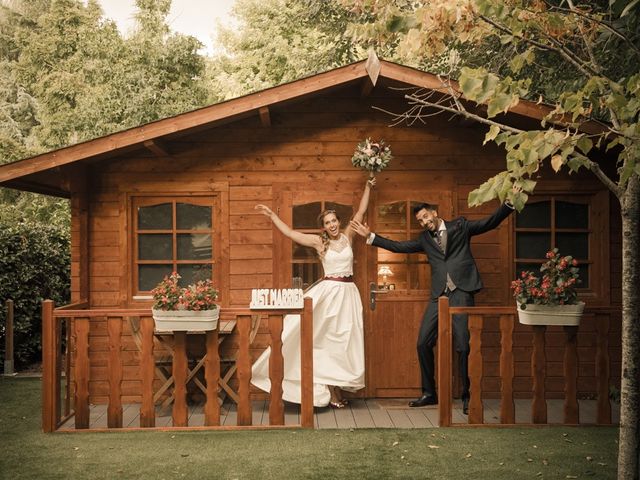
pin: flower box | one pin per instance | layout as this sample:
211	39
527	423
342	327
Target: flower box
183	320
551	314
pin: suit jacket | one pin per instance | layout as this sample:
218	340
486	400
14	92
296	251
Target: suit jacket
457	260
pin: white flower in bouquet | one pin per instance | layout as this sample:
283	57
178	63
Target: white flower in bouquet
372	156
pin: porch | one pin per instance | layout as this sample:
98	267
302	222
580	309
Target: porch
360	413
67	372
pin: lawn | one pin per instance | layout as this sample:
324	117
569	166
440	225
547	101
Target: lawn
453	453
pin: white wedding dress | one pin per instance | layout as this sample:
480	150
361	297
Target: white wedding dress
338	338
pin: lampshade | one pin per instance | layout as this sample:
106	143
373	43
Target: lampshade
385	270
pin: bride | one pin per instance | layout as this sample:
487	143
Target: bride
338	338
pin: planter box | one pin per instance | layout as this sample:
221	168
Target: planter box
551	314
183	320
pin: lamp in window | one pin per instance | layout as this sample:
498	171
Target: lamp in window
385	271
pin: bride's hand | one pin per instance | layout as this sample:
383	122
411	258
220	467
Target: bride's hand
263	209
371	182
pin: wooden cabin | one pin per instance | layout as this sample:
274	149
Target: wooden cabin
179	194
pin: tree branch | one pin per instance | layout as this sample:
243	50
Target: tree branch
593	166
464	113
602	23
587	42
610	184
558	48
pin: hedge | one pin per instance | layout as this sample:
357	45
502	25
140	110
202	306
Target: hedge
34	265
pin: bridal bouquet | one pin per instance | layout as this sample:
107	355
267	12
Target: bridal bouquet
372	156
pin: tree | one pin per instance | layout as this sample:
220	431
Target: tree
593	56
278	41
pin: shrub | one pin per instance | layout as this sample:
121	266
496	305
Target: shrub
34	265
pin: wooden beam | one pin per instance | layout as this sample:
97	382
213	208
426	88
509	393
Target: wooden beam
34	187
265	116
157	147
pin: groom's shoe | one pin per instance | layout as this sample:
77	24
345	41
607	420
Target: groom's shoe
424	400
465	405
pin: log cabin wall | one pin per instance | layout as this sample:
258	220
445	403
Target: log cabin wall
305	145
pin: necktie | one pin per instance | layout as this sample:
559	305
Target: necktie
438	239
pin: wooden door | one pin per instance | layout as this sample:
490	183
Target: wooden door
391	328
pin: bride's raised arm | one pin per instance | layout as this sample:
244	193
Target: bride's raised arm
304	239
362	208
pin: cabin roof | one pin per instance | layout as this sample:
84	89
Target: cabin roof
31	174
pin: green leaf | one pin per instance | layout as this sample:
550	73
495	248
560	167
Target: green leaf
584	144
501	104
491	134
488	190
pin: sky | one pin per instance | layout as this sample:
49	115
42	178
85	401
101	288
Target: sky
193	17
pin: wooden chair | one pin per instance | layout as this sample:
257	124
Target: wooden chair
228	364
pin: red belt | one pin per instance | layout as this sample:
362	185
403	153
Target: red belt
340	279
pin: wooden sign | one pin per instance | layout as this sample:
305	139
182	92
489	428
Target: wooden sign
277	298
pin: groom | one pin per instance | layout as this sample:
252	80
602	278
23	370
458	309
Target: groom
453	273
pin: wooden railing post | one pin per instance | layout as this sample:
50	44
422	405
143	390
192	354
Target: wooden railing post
114	410
49	400
538	372
476	411
82	373
8	340
306	364
244	371
180	414
603	415
507	405
147	368
571	408
212	376
276	371
444	362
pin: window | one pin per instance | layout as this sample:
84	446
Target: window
560	222
400	271
305	262
172	234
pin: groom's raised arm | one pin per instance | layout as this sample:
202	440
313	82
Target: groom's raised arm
408	246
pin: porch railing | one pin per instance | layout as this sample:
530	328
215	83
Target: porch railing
508	319
62	327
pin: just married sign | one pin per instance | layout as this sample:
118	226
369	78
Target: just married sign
266	298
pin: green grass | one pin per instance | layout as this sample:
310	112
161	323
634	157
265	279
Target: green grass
460	453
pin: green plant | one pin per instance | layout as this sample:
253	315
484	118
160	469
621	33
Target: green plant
34	265
556	285
168	295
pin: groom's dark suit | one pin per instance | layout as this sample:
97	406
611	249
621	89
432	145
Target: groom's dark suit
458	262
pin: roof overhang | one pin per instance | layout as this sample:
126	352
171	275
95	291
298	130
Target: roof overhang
31	174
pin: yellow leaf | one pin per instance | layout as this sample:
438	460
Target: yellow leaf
556	162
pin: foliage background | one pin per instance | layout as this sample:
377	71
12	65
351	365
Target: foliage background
34	265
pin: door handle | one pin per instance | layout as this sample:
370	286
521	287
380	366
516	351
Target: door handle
373	290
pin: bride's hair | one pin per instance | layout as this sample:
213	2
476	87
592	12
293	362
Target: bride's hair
324	236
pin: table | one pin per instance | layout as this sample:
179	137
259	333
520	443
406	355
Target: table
163	364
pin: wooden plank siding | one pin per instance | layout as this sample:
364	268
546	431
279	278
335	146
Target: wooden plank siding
309	143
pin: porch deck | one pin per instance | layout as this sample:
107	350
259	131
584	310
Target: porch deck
360	413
